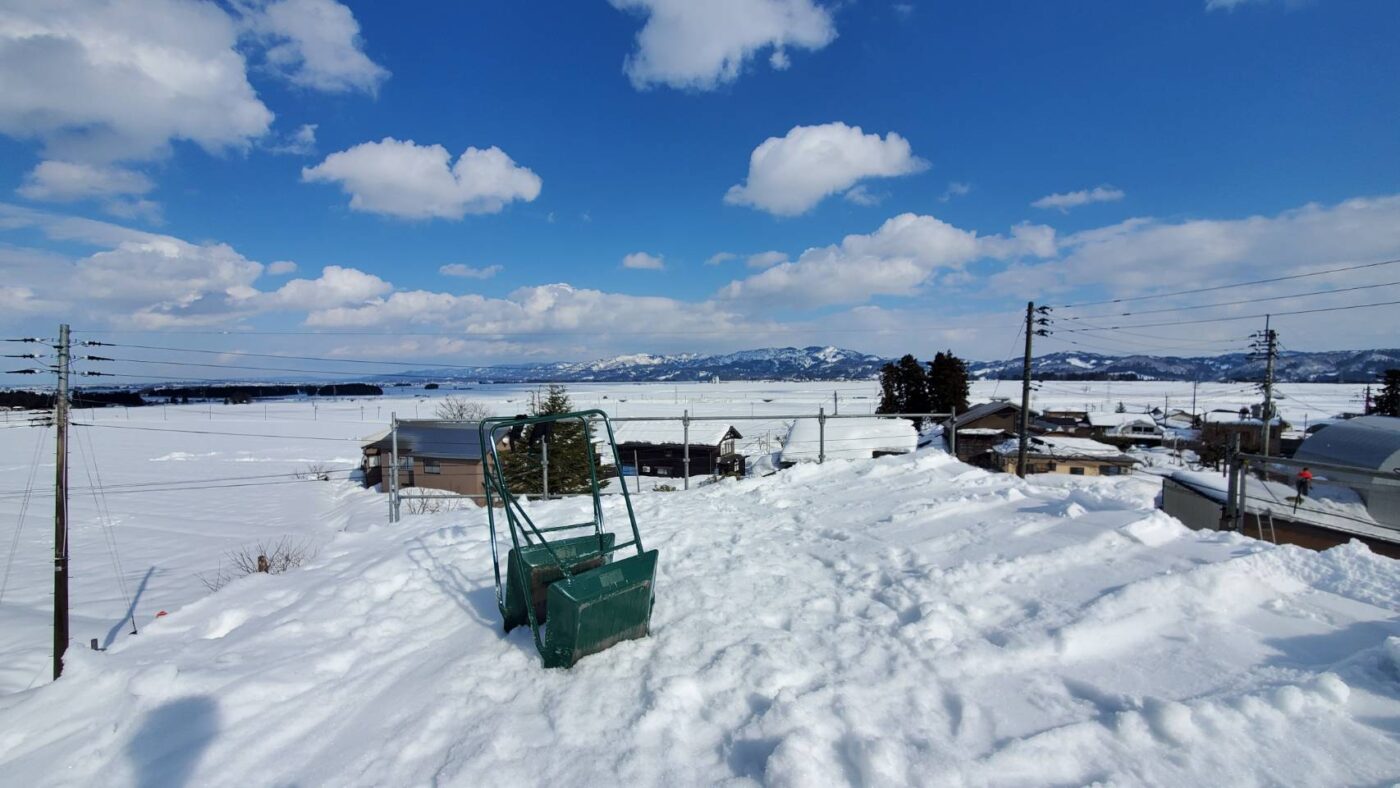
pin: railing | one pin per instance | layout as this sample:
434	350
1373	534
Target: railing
686	419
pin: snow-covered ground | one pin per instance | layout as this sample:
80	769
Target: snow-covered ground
902	620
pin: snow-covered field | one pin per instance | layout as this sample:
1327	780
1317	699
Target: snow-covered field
903	620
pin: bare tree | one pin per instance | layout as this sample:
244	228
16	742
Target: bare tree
455	408
272	558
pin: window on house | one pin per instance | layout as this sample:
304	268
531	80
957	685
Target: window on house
1076	471
1108	470
432	466
1052	467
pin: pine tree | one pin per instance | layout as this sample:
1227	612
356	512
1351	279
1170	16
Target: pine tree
947	383
915	386
568	450
891	391
1387	402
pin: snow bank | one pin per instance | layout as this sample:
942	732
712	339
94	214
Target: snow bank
848	439
907	620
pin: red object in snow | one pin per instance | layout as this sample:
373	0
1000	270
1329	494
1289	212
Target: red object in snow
161	613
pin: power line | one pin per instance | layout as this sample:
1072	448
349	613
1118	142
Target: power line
1234	303
1228	286
1237	317
215	432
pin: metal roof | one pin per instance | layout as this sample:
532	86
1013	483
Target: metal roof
983	409
1363	442
458	440
702	433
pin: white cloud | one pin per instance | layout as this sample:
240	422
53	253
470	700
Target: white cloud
1227	5
644	261
789	175
301	142
955	189
313	43
766	259
107	80
896	259
281	268
702	45
468	272
779	60
118	189
336	286
412	181
1066	200
721	257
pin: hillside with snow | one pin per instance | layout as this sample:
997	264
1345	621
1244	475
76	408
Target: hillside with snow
906	620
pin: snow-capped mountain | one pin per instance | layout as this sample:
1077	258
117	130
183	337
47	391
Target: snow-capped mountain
787	363
833	363
1346	366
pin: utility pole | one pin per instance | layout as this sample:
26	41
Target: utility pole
60	508
1194	384
1269	343
1034	317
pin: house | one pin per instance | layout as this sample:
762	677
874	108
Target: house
1123	429
1371	444
658	448
432	454
1063	420
980	428
1177	419
1219	428
1056	454
847	439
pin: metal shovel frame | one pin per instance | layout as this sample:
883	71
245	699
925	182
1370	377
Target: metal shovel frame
523	530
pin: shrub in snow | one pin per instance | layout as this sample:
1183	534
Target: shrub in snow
271	558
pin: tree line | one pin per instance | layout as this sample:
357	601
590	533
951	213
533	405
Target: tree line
910	386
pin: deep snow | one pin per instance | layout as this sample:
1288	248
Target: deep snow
907	620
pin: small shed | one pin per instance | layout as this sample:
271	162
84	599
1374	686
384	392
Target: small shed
981	427
1219	428
658	448
432	454
848	439
1073	456
1124	429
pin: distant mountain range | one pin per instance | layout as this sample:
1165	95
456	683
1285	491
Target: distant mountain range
832	363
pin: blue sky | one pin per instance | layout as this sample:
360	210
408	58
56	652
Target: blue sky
662	176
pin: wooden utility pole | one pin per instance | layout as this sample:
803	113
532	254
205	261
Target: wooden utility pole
1271	352
60	508
1024	430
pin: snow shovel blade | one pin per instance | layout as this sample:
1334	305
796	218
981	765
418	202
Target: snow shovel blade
580	553
601	607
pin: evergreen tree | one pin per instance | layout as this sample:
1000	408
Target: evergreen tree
915	387
947	383
1387	402
891	390
569	448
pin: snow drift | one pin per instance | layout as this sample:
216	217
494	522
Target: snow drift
907	620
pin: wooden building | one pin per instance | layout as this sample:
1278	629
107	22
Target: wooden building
1219	427
432	454
1072	456
981	428
658	448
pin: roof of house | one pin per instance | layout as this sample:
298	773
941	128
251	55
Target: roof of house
848	439
1363	442
1064	448
1110	419
458	440
982	409
702	433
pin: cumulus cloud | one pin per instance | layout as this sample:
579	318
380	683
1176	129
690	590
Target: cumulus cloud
896	259
313	43
766	259
119	190
703	45
1066	200
281	268
336	286
411	181
789	175
955	189
643	261
468	272
301	142
721	257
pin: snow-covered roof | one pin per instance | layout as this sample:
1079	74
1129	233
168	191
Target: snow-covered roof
984	409
702	433
458	440
848	439
1110	419
1045	446
1365	442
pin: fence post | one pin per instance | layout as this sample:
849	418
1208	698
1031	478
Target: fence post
636	471
1230	480
821	435
685	437
544	462
394	470
953	431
